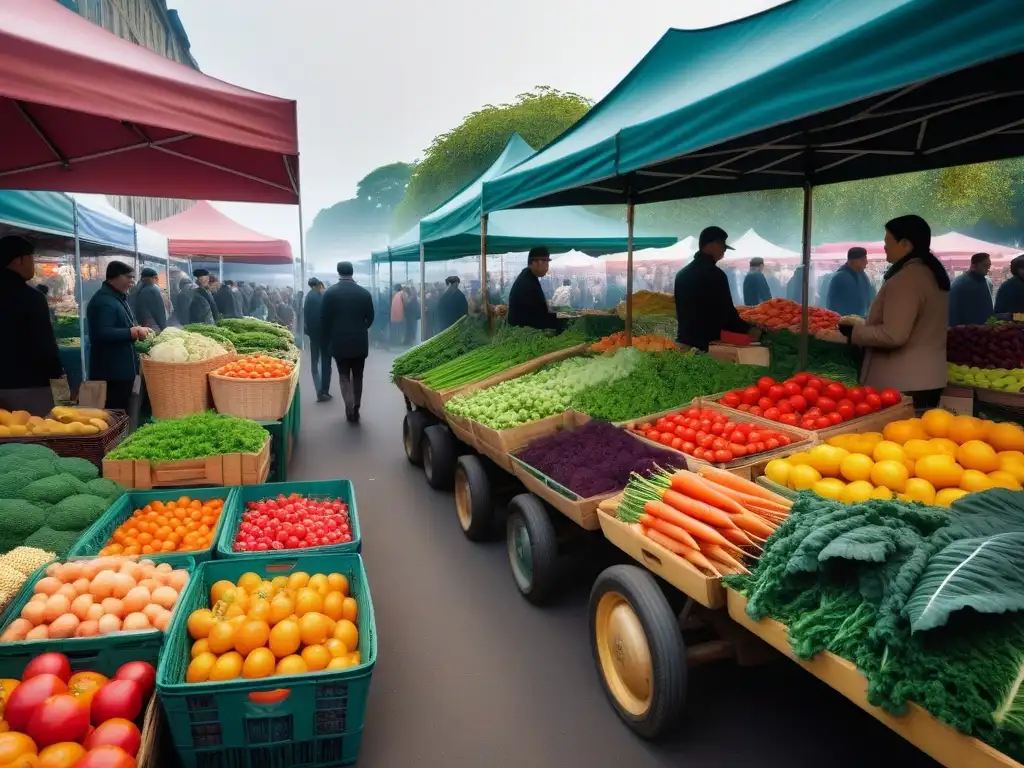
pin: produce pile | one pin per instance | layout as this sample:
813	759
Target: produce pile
712	519
183	525
509	347
47	501
174	345
56	719
251	336
547	392
594	458
783	313
62	420
97	597
66	327
824	358
808	401
292	522
257	367
649	303
924	601
288	626
192	437
15	568
659	382
934	460
465	335
990	356
649	343
664	325
712	436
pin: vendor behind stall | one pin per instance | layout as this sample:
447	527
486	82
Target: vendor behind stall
1010	296
970	298
526	303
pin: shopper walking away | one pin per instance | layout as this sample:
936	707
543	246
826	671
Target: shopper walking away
319	349
346	315
412	316
970	298
755	284
849	290
452	305
182	302
397	315
149	302
27	341
1010	296
526	303
225	300
202	307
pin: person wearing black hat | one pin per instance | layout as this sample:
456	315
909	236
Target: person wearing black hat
452	305
203	308
704	306
113	329
346	315
225	299
319	349
149	302
27	341
1010	296
527	305
755	284
849	290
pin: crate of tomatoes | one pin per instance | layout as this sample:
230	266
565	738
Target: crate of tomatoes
316	515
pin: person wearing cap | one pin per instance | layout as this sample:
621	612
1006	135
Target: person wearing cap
970	298
755	284
346	315
453	304
526	303
202	308
319	349
704	305
149	302
27	340
1010	296
113	331
849	290
225	300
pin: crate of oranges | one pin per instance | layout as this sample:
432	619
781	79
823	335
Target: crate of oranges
164	526
257	387
270	656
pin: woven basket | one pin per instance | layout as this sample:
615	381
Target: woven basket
178	389
256	399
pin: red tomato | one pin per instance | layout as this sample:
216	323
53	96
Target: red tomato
692	413
771	443
807	424
777	392
890	397
729	426
754	436
822	422
791	388
814	413
48	664
814	383
835	390
59	718
856	394
698	453
690	434
811	395
873	401
118	698
870	391
759	446
846	410
706	441
835	417
688	447
745	407
667	438
106	757
751	395
142	673
677	443
719	444
784	440
765	403
663	424
799	403
772	413
731	399
738	436
738	451
679	431
788	418
653	434
717	428
23	701
801	378
826	404
643	427
756	410
765	383
863	409
723	456
785	406
117	732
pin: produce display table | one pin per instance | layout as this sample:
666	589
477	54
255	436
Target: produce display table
283	436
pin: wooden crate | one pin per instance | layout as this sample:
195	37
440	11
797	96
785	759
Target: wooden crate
412	390
462	428
498	444
751	354
228	469
936	739
873	422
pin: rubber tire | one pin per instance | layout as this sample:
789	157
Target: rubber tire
438	452
668	651
481	505
531	512
412	435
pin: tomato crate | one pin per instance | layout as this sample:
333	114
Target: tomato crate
311	489
312	720
104	653
99	533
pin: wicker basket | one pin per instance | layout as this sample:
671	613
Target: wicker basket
256	399
178	389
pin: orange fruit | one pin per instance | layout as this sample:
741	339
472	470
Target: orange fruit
1003	479
965	428
222	637
891	474
334	605
856	466
903	430
14	744
338	583
313	628
974	454
1006	437
279	583
291	665
317	657
227	667
942	445
250	581
350	610
936	422
308	600
200	667
348	633
62	755
298	580
1010	463
259	663
940	470
220	589
251	635
200	646
285	638
259	609
335	646
947	496
200	623
972	481
281	607
318	581
919	489
917	449
339	663
889	450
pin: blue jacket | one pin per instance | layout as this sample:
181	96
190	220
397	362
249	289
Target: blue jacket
1010	296
970	300
755	289
849	293
109	321
795	287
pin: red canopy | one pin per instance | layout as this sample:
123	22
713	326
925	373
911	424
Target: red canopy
204	231
84	111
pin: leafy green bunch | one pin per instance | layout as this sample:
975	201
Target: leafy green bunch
192	437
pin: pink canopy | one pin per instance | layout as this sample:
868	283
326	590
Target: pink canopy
204	231
955	244
84	111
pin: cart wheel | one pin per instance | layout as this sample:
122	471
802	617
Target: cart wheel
532	548
473	498
638	649
438	452
412	435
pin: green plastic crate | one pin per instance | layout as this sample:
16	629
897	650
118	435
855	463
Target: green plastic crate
319	723
99	654
99	533
320	489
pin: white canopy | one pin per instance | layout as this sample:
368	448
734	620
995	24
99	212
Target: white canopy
752	244
576	260
151	243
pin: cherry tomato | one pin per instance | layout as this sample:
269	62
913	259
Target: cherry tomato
846	410
811	395
688	447
698	453
751	395
856	394
772	413
890	397
814	413
799	403
771	443
807	424
873	401
653	435
667	438
826	404
788	418
723	456
814	383
731	399
791	388
822	422
765	403
801	378
677	443
785	406
863	409
765	383
777	392
706	441
756	410
717	428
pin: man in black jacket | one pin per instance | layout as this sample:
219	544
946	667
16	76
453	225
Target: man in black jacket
202	307
27	342
704	305
346	315
149	302
225	299
319	349
452	305
526	303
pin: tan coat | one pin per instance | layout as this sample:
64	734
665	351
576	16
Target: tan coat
904	337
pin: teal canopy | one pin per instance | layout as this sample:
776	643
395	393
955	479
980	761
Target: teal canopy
453	230
818	91
45	212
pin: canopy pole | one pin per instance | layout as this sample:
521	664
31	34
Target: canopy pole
806	277
423	292
220	268
302	274
391	278
629	270
79	290
483	268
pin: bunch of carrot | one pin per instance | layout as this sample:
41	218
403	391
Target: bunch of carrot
713	519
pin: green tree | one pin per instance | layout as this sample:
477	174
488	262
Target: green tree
385	187
456	157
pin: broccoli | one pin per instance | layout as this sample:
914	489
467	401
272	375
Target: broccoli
49	540
20	517
11	485
36	469
53	489
80	468
76	513
26	451
104	488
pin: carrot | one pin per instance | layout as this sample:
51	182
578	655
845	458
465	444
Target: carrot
729	480
719	554
650	522
697	509
696	487
690	554
739	536
698	529
746	500
753	524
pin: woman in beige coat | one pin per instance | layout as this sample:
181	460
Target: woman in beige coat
904	336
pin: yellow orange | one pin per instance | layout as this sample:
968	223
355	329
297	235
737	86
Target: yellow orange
338	583
901	431
973	481
259	663
936	422
830	488
892	474
826	459
943	445
313	628
887	450
881	492
348	633
334	605
1001	479
1006	437
947	496
856	466
858	491
317	657
918	489
285	638
777	471
1013	465
800	458
228	667
291	665
802	477
965	428
350	610
200	667
940	470
917	449
974	454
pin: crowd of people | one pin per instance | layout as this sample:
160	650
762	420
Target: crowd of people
204	298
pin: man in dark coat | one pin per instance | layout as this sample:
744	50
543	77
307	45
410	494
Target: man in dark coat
346	315
704	305
183	301
526	303
225	300
755	284
970	299
452	305
849	291
795	287
113	330
202	307
149	302
244	298
1010	296
319	349
27	342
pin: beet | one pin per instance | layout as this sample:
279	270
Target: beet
986	346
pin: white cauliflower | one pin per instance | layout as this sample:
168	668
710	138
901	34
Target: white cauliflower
175	345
